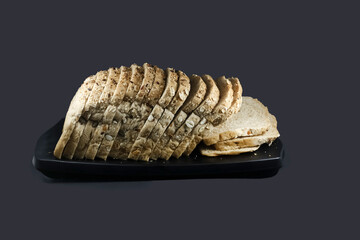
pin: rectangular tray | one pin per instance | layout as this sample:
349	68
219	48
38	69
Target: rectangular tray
265	162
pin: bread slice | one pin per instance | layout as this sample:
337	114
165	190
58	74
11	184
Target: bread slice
73	114
210	152
90	113
196	96
268	137
139	149
252	119
198	135
210	101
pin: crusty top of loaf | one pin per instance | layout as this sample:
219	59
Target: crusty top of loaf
122	85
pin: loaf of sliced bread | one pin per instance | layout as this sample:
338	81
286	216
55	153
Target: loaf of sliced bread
144	113
252	119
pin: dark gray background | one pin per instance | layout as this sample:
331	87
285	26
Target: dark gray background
301	60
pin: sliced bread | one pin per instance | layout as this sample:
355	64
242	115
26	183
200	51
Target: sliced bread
139	149
210	101
109	88
234	108
243	142
136	124
73	114
196	96
252	119
122	101
90	114
118	77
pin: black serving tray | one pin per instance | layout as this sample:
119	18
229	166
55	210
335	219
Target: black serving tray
265	162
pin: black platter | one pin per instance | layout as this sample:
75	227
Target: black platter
265	162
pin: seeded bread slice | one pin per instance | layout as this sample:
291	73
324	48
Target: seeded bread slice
142	148
198	135
118	77
210	152
210	101
252	119
90	113
197	94
243	142
73	114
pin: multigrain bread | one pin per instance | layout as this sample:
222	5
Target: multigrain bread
91	114
210	101
196	96
243	142
199	133
252	119
133	113
141	149
74	113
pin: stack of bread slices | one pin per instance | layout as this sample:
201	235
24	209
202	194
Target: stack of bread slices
145	112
